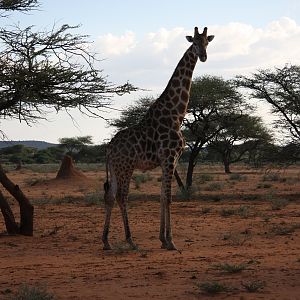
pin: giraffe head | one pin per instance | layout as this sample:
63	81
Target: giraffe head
200	42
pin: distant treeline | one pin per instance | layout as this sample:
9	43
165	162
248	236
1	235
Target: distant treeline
266	153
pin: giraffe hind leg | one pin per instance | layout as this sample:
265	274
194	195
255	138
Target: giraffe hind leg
109	199
122	198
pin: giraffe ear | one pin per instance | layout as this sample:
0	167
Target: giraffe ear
189	38
210	38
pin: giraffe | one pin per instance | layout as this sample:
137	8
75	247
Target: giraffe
155	141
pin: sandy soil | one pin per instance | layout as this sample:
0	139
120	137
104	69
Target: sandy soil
234	225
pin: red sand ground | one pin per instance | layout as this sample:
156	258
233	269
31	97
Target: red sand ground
66	250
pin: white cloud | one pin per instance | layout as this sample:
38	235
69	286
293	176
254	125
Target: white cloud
238	48
110	45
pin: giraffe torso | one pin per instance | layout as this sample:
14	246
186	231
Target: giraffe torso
144	147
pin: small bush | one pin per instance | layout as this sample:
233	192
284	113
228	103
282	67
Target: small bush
185	194
284	229
215	186
226	212
244	211
93	199
264	185
38	292
271	177
206	210
140	178
206	177
278	204
236	238
212	287
230	268
237	177
253	286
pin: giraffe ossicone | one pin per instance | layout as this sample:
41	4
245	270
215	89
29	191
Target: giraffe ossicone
156	141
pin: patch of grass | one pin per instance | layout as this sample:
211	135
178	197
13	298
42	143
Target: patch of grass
93	199
264	185
206	177
185	194
66	200
53	231
212	287
271	177
230	268
33	181
253	286
206	210
36	292
123	247
140	178
244	211
214	186
284	229
236	238
249	197
278	204
226	212
237	177
42	168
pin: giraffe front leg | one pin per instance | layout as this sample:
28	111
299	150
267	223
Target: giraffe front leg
166	198
162	231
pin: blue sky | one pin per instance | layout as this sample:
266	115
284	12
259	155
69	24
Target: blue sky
142	41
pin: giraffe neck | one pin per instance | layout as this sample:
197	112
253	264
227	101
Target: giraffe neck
173	102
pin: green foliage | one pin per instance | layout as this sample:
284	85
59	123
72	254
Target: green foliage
280	88
133	114
18	153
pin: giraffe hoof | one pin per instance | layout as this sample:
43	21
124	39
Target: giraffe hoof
132	245
171	246
107	247
164	245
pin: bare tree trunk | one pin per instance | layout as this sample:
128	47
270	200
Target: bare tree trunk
9	219
190	170
178	180
227	168
26	209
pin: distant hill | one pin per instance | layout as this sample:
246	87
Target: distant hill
36	144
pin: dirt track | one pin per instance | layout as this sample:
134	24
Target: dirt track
65	252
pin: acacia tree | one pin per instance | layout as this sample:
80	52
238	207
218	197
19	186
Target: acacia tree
215	104
75	144
243	135
281	89
41	72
